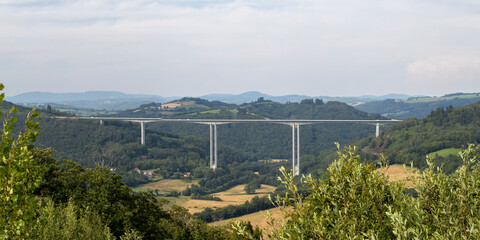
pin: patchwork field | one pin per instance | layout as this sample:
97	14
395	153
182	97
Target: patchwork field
233	196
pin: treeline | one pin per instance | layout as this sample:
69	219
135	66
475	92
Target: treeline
232	211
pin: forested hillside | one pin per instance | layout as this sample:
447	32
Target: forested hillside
416	107
41	198
116	145
413	139
172	150
272	141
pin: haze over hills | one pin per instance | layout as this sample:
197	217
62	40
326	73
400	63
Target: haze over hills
120	101
110	100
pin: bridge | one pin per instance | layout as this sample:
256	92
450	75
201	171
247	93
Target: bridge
294	123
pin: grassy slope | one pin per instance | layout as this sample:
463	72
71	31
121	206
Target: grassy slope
445	152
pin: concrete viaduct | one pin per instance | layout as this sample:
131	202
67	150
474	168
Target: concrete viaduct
294	123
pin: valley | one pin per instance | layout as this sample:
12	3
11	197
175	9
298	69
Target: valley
173	164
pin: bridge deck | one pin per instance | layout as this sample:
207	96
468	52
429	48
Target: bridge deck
284	121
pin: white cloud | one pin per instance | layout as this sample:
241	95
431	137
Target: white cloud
447	73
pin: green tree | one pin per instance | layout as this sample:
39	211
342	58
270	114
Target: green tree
19	177
70	222
249	189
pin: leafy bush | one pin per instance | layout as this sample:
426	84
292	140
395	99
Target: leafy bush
351	201
19	177
354	200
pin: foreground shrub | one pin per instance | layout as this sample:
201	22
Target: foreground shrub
447	207
351	201
354	201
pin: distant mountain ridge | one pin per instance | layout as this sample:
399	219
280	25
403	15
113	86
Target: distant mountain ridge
113	100
92	99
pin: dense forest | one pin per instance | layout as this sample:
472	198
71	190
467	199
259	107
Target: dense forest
413	139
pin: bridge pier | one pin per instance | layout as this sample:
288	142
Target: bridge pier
296	162
377	130
142	132
142	129
213	146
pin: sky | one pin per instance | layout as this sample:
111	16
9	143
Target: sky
278	47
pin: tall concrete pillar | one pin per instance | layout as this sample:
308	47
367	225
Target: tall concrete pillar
142	132
215	140
297	170
296	150
213	146
293	148
377	130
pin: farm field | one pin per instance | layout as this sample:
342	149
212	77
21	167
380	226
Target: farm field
168	185
397	172
233	196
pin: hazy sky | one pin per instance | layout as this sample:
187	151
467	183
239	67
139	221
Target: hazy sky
195	47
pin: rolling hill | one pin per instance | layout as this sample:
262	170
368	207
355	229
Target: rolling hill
413	139
265	141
